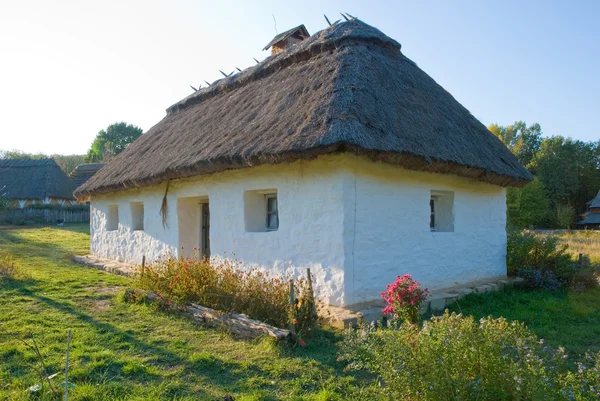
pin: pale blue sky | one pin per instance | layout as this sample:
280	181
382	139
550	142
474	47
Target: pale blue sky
70	68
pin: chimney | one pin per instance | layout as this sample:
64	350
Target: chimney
285	40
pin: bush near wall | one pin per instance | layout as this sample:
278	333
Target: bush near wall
453	357
227	286
545	263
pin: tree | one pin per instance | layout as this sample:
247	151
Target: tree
528	206
112	141
556	164
523	141
67	163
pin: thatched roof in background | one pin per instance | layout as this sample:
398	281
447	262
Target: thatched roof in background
34	179
84	172
347	88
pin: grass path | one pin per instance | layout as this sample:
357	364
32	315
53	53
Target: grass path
122	351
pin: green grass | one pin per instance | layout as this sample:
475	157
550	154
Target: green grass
123	351
133	352
563	318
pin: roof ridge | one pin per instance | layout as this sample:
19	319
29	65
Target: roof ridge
321	42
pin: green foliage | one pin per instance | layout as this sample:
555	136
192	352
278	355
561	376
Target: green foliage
523	141
121	351
8	266
67	163
527	207
540	259
565	216
224	285
568	172
112	141
455	357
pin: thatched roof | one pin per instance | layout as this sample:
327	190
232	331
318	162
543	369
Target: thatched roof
84	172
347	88
34	179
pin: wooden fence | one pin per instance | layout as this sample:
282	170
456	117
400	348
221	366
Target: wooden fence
38	215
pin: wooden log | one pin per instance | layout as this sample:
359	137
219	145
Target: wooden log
239	325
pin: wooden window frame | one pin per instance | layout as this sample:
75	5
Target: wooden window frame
270	212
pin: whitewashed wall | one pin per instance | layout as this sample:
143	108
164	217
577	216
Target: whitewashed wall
310	222
355	223
389	234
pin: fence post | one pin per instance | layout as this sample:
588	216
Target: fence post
292	302
313	302
143	264
580	260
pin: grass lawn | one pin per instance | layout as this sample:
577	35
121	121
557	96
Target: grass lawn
567	318
123	351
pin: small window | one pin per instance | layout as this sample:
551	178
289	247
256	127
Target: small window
137	216
112	220
441	211
261	210
272	215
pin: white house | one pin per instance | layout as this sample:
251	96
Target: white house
335	153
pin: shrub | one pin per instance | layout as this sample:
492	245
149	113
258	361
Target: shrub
224	285
404	298
455	357
8	266
585	279
565	216
527	252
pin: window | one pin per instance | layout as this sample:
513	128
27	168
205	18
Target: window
272	217
261	210
112	220
137	216
441	211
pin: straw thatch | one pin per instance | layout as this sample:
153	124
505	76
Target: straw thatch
84	172
34	179
347	88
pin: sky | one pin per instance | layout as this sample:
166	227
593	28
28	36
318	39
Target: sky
70	68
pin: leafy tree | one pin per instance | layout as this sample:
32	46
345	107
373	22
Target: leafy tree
557	167
523	141
528	206
112	141
565	216
66	162
17	154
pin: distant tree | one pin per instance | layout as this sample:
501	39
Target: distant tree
17	154
529	206
112	141
522	140
556	164
68	162
565	216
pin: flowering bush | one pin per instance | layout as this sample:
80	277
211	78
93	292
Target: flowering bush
404	298
455	357
527	253
225	285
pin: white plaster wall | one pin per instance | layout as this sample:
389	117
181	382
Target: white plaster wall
387	230
310	198
355	223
